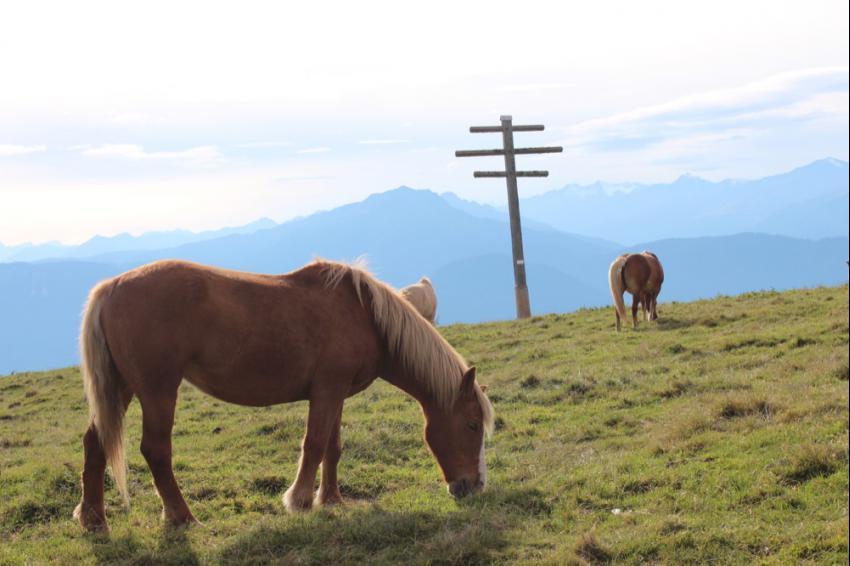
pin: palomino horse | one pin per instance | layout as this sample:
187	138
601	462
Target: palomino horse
322	333
422	296
641	275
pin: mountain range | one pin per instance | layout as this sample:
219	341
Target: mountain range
808	202
463	246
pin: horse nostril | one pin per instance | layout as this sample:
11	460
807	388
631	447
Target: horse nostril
464	487
459	488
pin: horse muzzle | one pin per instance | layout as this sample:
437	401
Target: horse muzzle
464	487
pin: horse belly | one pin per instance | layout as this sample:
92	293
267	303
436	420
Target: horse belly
249	387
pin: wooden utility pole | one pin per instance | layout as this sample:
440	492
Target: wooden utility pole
523	305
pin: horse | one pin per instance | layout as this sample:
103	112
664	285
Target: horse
321	333
642	276
423	298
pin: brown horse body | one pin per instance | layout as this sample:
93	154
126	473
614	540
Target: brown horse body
322	333
642	276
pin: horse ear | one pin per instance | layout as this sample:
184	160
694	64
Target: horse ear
467	384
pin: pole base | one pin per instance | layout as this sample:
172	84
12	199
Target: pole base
523	305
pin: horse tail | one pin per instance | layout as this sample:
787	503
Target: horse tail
616	280
105	390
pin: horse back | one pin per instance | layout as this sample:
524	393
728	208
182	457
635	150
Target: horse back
231	332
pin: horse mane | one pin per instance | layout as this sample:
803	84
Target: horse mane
423	351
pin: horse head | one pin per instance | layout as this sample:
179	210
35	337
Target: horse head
456	437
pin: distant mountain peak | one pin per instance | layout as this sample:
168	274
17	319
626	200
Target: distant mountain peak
689	178
833	162
403	192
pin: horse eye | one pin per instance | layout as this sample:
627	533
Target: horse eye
473	426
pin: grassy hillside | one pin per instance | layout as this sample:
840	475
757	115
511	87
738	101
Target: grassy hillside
720	434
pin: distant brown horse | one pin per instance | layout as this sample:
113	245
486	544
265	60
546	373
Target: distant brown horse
322	333
423	297
641	275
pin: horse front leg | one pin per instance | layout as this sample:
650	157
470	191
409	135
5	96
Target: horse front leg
323	414
328	493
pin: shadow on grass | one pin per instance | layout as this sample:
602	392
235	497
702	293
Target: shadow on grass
472	533
172	547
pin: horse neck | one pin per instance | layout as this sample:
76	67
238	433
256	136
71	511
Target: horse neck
394	373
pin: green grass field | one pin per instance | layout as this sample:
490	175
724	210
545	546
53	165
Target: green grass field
717	435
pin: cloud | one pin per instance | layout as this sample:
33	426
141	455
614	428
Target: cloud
285	180
136	119
205	154
263	144
805	95
7	150
381	142
314	150
531	87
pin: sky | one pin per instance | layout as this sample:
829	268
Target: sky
197	115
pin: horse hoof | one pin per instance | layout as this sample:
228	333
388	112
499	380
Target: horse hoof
328	500
180	521
90	520
296	504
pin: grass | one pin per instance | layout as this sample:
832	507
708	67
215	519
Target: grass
717	435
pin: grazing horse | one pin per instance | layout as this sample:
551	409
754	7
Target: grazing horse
641	275
321	333
422	296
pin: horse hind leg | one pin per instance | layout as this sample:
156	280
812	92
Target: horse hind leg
91	512
635	303
157	424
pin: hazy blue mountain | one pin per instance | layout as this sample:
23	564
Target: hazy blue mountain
481	288
404	232
121	242
40	307
808	202
407	234
697	268
501	214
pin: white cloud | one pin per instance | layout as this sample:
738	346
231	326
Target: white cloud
205	154
314	150
531	87
804	94
263	144
381	142
7	150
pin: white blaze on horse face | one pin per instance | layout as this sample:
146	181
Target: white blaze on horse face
482	465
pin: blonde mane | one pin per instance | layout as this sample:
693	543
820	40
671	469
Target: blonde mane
422	350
